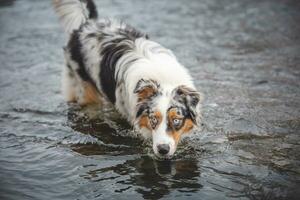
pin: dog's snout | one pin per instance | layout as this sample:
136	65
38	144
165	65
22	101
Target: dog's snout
163	149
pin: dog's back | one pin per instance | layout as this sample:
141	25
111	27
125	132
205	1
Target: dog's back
100	52
93	50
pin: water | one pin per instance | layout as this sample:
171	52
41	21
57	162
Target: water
245	58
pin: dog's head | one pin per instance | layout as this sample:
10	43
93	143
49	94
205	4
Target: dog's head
166	114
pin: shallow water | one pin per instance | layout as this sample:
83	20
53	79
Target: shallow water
244	56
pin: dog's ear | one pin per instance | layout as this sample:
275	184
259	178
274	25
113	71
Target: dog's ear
192	101
145	89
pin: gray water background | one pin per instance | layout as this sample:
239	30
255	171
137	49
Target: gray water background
245	58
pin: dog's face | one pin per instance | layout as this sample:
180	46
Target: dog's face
166	114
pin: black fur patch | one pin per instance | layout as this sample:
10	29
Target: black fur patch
142	108
132	33
69	67
112	51
189	98
76	55
93	14
74	47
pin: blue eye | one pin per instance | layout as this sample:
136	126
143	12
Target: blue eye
177	122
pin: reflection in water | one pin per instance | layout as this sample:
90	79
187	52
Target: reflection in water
158	178
113	133
153	178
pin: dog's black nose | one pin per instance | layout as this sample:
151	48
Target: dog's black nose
163	149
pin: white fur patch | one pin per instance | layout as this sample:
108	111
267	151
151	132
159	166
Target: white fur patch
72	14
154	62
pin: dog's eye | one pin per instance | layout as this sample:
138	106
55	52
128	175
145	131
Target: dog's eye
177	122
153	122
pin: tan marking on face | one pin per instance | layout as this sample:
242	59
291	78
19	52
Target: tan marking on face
146	93
146	123
188	125
172	114
185	128
158	116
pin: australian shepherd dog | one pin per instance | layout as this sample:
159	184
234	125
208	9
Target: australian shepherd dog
109	60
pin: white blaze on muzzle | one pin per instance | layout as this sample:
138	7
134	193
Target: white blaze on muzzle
160	139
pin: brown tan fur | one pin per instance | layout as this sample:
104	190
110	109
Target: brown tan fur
90	95
145	121
146	93
172	114
186	127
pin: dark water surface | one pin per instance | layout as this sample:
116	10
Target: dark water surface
245	58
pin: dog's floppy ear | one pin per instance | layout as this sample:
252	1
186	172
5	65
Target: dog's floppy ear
192	101
146	89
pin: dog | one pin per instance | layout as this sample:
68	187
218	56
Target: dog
109	60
